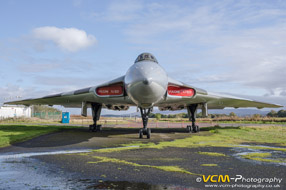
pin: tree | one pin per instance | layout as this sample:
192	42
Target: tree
46	112
281	113
272	113
41	108
164	116
158	116
185	115
256	116
232	114
151	115
199	115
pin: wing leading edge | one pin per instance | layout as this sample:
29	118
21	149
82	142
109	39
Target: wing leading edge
110	94
220	101
202	97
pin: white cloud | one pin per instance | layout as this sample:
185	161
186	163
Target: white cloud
70	39
256	58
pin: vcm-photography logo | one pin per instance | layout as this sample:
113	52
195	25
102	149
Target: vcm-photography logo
237	178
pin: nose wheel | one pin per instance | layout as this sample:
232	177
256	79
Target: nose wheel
145	131
193	128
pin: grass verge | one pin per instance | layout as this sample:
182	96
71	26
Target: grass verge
228	137
16	133
119	161
212	153
211	165
262	157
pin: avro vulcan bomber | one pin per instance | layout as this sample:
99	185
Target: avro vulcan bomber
145	85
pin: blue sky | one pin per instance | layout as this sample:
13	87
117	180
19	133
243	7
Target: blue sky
235	47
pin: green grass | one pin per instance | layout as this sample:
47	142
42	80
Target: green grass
252	122
212	153
225	120
108	150
16	133
27	121
209	165
118	161
158	159
258	155
259	134
262	157
226	137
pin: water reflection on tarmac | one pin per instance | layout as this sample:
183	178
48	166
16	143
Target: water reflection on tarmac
21	171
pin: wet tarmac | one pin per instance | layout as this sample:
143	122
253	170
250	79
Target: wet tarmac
22	171
67	160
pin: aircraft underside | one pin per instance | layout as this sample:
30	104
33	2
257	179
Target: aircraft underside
145	112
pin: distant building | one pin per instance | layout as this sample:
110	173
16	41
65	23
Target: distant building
15	111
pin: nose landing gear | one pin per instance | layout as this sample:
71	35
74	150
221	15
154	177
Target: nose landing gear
145	131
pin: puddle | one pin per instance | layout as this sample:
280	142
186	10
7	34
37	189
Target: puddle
264	146
21	171
26	155
248	149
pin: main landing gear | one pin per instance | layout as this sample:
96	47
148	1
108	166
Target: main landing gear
145	131
96	109
192	111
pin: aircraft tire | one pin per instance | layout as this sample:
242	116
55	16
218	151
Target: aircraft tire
189	128
194	129
197	128
98	128
148	133
92	128
140	133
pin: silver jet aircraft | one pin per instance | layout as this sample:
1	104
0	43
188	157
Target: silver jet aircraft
145	85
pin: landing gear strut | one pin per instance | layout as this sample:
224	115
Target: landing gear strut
145	131
192	111
96	109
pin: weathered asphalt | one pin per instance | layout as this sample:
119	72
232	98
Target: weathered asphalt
72	171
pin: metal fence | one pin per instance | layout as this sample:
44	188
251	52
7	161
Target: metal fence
48	115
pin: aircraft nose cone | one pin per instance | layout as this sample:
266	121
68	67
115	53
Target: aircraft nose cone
147	81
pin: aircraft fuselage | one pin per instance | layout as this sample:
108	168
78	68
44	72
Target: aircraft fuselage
146	83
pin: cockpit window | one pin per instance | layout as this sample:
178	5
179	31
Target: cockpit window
146	57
